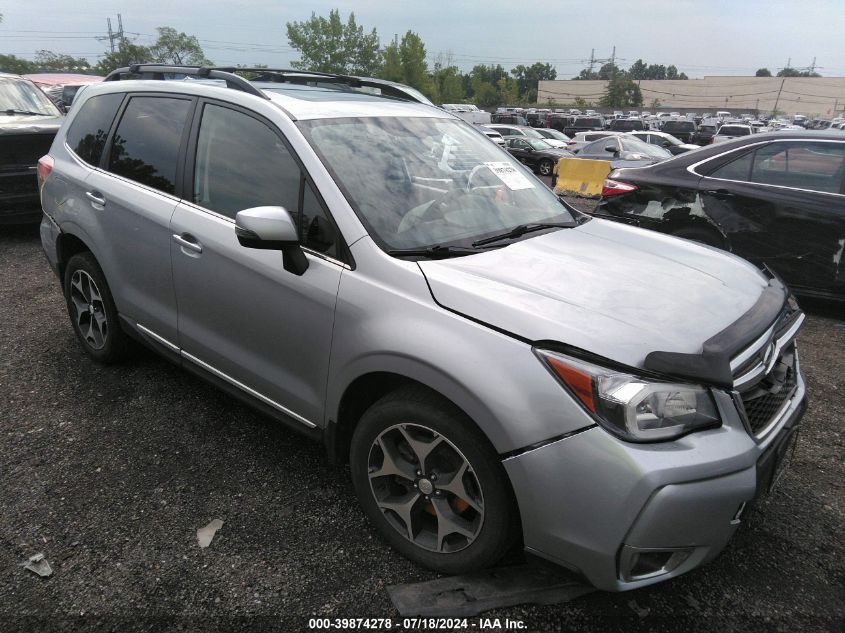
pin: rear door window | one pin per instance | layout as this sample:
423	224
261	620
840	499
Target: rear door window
803	165
87	134
145	147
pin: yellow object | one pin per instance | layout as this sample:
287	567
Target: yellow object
581	176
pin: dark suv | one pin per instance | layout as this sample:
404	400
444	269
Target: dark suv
627	125
572	125
28	123
683	130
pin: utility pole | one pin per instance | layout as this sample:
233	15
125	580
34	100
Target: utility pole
113	36
775	109
613	64
592	60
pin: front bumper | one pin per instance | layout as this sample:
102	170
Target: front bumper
629	515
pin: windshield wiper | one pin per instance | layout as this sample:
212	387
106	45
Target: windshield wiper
522	229
433	252
14	111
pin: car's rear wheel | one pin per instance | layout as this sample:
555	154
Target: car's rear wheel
93	314
431	483
545	167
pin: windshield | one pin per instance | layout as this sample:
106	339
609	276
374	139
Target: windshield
17	94
418	181
679	126
555	134
538	143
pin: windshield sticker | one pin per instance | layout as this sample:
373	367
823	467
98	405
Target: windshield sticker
509	175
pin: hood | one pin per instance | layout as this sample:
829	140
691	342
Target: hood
611	289
29	124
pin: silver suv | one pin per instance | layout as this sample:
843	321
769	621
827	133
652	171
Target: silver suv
494	366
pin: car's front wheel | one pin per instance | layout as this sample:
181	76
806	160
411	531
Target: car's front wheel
431	482
545	167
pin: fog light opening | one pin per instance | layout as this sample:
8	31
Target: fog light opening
738	516
639	564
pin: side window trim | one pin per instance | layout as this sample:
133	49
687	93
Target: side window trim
106	156
187	179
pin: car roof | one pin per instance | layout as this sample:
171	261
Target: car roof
300	102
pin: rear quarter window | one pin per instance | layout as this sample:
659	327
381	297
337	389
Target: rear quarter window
87	133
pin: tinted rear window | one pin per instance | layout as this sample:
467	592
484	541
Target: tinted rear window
146	143
679	126
627	126
87	134
734	130
587	122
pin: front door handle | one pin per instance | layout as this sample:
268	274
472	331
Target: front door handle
96	198
188	241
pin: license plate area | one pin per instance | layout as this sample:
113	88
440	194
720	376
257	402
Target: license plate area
773	463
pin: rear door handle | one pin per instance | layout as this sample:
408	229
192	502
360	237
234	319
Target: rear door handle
720	193
96	198
188	241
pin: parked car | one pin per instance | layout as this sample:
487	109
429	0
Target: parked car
62	87
624	151
668	142
730	131
573	125
482	355
468	112
508	117
682	129
777	199
536	153
627	125
493	135
28	123
705	132
515	130
553	137
580	139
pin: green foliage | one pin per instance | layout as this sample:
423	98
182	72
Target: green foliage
414	67
448	84
794	72
622	92
640	70
763	72
329	45
50	61
527	78
392	63
127	53
173	47
16	65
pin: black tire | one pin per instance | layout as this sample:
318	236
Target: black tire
545	167
701	235
419	406
114	345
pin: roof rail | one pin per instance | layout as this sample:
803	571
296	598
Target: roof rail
157	71
276	75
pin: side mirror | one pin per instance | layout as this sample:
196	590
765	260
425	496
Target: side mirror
272	228
611	148
666	144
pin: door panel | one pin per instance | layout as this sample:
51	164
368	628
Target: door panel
243	314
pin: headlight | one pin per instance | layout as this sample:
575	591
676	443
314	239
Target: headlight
632	407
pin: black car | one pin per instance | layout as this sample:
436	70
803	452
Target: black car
536	153
574	124
627	125
705	133
776	199
681	129
28	123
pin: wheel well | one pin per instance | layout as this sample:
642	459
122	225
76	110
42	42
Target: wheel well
67	246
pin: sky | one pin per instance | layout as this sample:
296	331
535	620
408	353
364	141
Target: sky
701	38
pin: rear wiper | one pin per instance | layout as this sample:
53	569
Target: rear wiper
433	252
14	111
521	230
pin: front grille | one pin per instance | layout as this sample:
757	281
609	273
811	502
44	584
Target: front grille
766	398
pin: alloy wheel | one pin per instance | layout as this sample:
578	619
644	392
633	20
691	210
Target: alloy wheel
90	312
426	488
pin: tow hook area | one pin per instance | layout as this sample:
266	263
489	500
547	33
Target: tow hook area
471	594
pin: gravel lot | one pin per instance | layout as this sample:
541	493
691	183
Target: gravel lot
109	471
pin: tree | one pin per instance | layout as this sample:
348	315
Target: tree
127	53
16	65
329	45
448	82
528	78
48	60
622	92
173	47
414	66
392	63
763	72
672	73
508	91
794	72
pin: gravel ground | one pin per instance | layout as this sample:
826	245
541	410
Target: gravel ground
109	471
